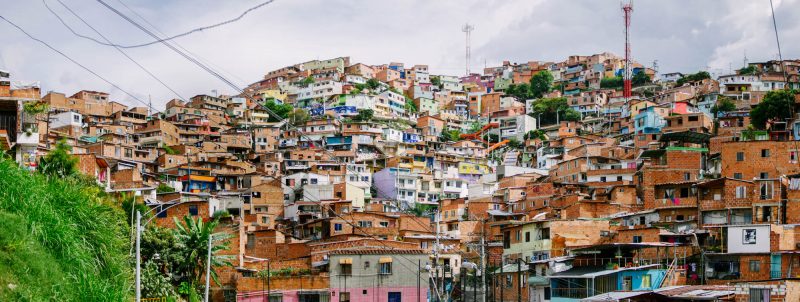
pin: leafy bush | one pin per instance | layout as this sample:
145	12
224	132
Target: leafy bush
61	239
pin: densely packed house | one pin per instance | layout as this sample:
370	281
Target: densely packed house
392	183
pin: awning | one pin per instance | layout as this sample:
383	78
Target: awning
385	260
346	261
538	280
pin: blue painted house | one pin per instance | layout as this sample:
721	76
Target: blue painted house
648	121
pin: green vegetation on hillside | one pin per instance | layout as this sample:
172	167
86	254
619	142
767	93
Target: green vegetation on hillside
61	239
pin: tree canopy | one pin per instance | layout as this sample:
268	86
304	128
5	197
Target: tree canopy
724	104
281	110
701	75
776	105
611	83
450	135
541	83
59	162
364	115
553	110
749	70
640	78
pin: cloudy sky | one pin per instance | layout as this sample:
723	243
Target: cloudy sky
682	35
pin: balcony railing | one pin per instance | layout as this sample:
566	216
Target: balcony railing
570	293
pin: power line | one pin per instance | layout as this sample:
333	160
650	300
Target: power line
109	41
217	75
166	43
72	60
159	40
200	58
778	40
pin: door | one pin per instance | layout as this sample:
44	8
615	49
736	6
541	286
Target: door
394	297
775	266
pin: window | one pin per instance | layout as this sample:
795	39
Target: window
766	190
384	224
687	176
646	281
344	297
763	175
741	192
264	220
547	293
337	227
519	235
385	268
193	210
423	245
737	175
602	178
679	218
366	264
545	233
755	265
739	156
759	294
527	236
764	152
637	239
365	224
509	281
793	156
345	269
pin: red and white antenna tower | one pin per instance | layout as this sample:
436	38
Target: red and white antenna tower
627	9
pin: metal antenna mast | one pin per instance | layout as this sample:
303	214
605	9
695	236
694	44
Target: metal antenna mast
468	30
627	9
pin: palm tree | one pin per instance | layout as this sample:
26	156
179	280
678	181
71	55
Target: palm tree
192	236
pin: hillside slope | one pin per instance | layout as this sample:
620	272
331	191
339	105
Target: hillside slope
60	240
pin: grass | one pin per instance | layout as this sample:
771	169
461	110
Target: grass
60	240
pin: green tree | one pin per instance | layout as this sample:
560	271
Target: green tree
281	110
701	75
551	110
513	143
534	134
724	104
749	70
298	116
192	236
307	81
364	115
154	283
776	105
436	81
451	135
541	83
59	162
373	84
164	188
410	106
475	127
640	78
519	91
611	83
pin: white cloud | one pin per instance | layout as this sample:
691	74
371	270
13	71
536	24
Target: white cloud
682	35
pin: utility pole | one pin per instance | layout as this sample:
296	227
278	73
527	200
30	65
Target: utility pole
208	267
468	30
436	255
419	275
502	282
269	287
483	257
519	280
138	257
475	286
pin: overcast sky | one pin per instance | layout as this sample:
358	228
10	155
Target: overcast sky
683	35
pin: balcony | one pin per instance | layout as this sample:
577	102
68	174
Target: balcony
28	138
676	202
